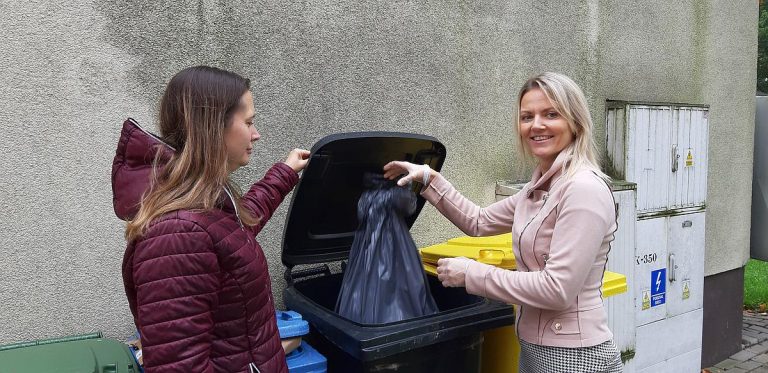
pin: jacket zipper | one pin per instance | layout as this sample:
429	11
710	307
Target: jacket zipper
242	228
234	204
520	245
251	366
520	238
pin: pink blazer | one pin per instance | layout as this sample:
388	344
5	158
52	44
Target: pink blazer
562	229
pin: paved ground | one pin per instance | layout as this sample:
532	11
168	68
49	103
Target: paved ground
754	357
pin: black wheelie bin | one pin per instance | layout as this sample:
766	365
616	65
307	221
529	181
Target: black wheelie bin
320	228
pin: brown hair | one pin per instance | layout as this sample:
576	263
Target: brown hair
569	101
195	109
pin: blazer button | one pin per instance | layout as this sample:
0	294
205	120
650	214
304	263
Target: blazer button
558	326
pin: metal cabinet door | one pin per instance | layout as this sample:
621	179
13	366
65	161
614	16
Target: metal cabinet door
688	186
650	154
685	273
650	270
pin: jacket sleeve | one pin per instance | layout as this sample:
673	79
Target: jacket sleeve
176	275
266	194
586	218
467	216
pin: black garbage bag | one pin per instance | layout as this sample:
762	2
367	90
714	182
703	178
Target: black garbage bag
384	280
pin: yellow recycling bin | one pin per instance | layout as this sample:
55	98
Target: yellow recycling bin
501	349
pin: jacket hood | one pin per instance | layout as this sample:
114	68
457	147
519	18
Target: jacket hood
132	167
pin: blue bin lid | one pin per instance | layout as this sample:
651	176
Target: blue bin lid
306	359
291	324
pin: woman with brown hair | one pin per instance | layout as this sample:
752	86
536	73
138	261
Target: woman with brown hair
196	279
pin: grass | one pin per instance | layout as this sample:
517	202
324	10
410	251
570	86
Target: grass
756	284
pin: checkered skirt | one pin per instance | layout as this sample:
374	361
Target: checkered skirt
603	358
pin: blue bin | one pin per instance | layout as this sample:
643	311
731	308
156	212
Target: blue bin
291	324
304	359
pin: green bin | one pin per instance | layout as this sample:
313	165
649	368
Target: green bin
77	354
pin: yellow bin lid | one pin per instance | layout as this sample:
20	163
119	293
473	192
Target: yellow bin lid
493	250
613	283
497	251
502	241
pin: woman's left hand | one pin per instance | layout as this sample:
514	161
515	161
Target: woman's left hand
452	272
297	159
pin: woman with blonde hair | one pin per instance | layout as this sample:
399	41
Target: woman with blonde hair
562	224
196	279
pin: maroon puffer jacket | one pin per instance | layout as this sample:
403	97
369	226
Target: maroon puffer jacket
197	283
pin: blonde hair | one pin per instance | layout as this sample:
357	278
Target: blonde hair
569	101
196	107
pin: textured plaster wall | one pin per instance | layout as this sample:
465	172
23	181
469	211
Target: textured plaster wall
72	72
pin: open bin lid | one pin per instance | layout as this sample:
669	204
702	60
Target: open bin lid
322	217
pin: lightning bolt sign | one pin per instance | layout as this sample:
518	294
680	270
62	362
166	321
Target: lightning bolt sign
658	287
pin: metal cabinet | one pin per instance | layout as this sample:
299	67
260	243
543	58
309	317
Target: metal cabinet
663	149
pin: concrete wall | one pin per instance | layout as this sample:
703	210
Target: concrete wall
71	73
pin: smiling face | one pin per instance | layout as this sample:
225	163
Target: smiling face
240	134
543	130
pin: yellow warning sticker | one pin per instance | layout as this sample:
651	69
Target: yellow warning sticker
646	299
689	158
686	289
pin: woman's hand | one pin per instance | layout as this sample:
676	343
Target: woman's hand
452	272
412	172
297	159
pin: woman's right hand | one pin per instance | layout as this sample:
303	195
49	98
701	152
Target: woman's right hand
412	172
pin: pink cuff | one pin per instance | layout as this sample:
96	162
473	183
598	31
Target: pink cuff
475	278
437	187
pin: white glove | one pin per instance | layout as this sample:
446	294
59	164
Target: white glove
412	172
452	272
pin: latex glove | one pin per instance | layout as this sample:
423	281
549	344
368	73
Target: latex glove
452	272
297	159
412	172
